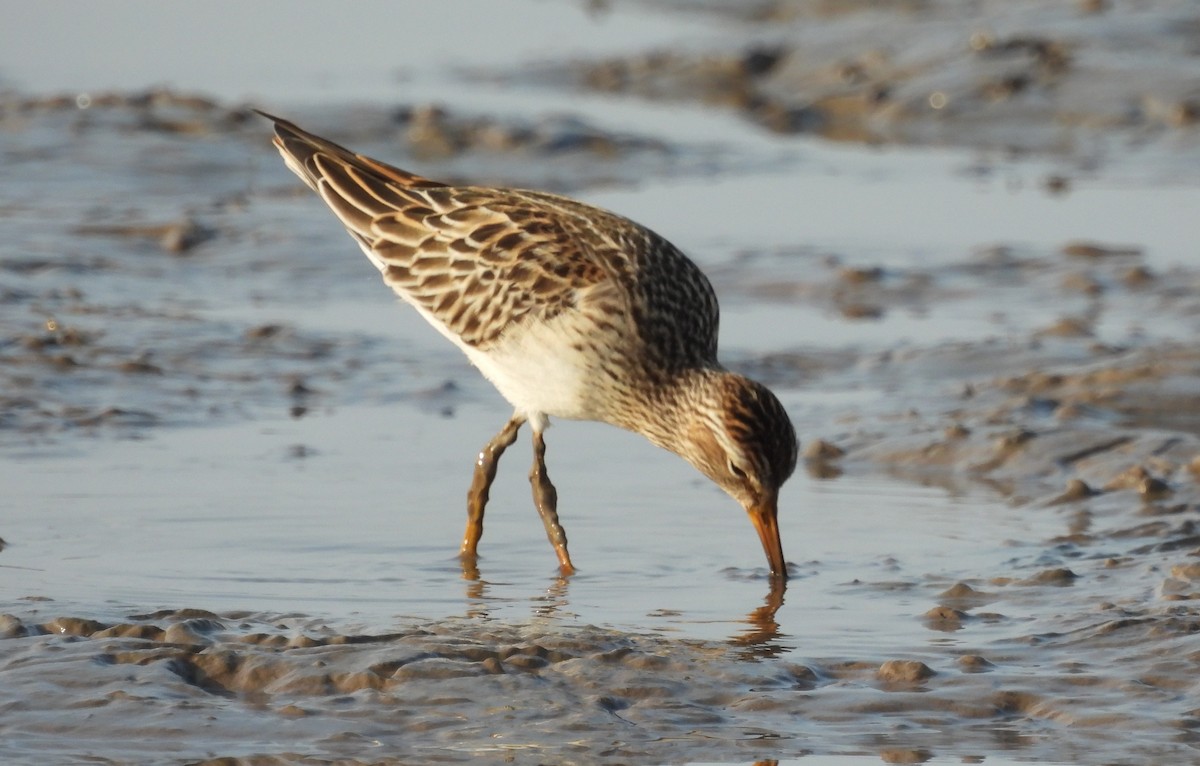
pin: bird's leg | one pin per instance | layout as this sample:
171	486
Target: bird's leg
545	497
481	484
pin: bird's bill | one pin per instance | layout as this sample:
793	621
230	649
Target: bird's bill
764	518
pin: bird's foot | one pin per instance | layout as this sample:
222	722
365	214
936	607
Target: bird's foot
470	564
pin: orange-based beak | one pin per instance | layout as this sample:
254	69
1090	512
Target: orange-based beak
764	518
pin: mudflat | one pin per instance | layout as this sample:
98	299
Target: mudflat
960	245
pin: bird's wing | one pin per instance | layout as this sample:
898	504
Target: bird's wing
475	259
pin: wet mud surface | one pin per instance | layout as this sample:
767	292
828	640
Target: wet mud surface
206	397
170	683
1012	74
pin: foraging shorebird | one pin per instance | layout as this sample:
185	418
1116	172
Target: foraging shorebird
570	311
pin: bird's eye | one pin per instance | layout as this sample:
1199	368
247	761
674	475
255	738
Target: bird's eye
737	472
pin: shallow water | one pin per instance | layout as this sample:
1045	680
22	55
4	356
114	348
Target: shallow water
330	514
234	473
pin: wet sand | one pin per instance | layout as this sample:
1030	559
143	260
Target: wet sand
234	468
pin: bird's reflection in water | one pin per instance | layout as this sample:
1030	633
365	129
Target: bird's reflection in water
477	591
762	639
480	602
554	601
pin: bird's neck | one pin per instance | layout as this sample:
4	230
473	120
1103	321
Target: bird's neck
677	408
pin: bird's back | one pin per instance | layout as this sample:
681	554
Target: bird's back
504	272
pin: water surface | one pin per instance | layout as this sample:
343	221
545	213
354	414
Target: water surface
234	473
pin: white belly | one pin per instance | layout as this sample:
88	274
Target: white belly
537	369
539	372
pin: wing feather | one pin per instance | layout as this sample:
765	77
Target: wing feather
481	260
455	252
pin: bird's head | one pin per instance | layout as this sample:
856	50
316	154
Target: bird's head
742	439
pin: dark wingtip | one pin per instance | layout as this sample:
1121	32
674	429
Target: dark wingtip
281	125
299	143
268	115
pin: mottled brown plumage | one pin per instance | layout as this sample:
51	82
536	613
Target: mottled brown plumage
570	311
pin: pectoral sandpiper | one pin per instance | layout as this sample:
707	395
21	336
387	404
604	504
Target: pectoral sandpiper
570	311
